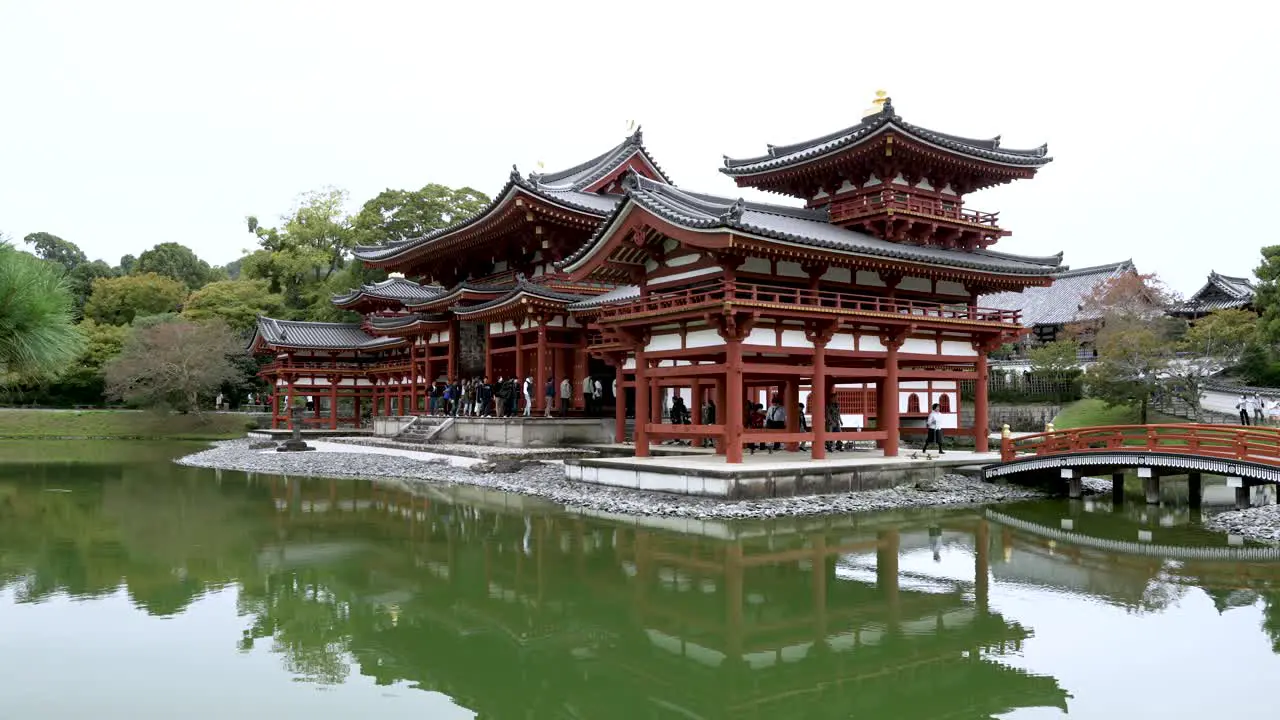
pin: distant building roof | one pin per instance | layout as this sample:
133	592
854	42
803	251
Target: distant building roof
318	335
396	289
1059	303
802	226
1220	292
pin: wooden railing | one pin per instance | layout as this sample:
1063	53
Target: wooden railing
1232	442
756	295
890	200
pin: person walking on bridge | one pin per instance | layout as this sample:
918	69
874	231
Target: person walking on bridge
1243	407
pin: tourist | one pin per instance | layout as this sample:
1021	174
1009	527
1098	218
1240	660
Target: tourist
217	403
597	395
708	418
776	418
1257	408
566	394
1243	407
756	421
679	414
833	424
804	425
549	395
933	429
500	397
588	396
528	395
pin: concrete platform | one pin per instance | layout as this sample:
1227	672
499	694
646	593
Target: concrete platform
782	474
307	433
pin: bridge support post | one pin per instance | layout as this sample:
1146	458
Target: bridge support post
1117	488
1195	489
1075	488
1150	485
1242	493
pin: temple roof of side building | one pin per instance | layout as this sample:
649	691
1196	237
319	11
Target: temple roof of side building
800	226
318	335
397	322
1059	303
781	156
524	288
618	294
396	289
570	189
448	297
1220	292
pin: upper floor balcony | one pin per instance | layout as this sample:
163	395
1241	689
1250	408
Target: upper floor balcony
802	302
871	204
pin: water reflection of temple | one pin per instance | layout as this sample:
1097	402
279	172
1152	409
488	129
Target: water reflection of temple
513	611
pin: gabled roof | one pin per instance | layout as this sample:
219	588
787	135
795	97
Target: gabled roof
618	294
1059	303
384	323
447	297
318	335
522	289
800	226
396	289
1220	292
781	156
567	188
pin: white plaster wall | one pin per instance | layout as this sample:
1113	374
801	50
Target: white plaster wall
509	326
651	265
870	343
658	343
495	328
958	347
703	338
630	364
917	284
926	346
841	341
555	322
791	269
944	385
500	266
758	265
762	336
683	260
951	287
913	385
658	282
838	275
795	339
866	277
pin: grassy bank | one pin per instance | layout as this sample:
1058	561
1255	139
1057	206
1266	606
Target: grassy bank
118	424
1090	411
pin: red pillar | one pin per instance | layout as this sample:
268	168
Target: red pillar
888	418
642	403
333	402
655	400
520	368
732	412
722	412
413	378
620	405
791	400
818	400
580	372
451	369
540	389
980	421
488	355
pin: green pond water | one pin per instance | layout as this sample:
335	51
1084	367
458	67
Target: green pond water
133	588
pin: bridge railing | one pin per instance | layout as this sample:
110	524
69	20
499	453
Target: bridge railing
1232	442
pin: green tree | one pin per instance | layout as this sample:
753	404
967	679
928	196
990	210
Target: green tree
81	280
56	250
237	302
1222	335
127	264
178	262
118	300
174	364
1055	359
37	336
397	215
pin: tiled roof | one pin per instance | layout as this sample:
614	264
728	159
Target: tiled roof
624	292
523	287
780	156
1059	303
443	299
393	322
800	226
564	188
1221	292
333	336
395	289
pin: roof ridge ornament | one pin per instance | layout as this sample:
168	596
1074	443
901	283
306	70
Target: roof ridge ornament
881	104
734	213
630	179
515	173
637	137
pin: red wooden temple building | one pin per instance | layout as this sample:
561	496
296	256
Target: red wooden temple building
864	293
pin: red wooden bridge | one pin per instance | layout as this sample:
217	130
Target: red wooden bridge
1249	453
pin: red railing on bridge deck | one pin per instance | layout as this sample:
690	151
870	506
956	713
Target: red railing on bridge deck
1231	442
756	295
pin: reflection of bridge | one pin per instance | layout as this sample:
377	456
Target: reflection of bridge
1247	456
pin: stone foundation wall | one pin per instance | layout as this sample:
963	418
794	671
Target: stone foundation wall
534	432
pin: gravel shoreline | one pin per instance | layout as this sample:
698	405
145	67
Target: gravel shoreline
1256	523
546	480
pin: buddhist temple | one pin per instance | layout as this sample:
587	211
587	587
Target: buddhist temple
1220	292
863	292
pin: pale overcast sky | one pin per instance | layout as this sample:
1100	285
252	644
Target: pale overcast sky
126	124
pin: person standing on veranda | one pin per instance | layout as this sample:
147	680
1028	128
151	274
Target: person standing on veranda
528	396
566	394
597	396
549	395
588	396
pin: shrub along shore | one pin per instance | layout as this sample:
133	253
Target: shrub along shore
119	424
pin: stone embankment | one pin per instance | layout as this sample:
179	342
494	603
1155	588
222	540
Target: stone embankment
546	479
1256	523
